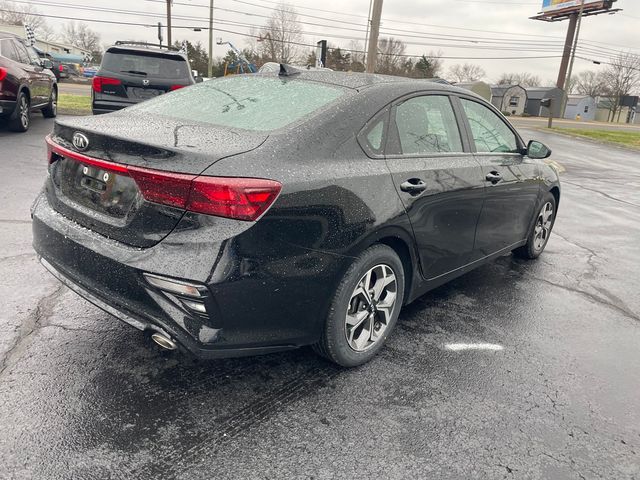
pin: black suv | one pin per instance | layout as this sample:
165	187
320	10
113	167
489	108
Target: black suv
132	72
26	83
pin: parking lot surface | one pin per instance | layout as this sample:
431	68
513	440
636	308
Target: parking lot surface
516	370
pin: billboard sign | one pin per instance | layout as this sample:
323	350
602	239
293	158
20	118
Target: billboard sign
566	6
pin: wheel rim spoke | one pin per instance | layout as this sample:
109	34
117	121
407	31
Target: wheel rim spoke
371	307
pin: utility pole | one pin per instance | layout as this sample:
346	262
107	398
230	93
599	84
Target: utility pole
210	69
567	83
372	50
169	22
366	37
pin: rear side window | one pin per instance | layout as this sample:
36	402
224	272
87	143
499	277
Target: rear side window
247	102
426	125
8	51
489	132
146	64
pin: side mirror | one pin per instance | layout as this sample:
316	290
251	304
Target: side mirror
46	63
538	150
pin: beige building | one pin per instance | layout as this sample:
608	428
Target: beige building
49	47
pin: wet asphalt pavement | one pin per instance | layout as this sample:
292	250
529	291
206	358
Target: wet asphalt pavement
81	396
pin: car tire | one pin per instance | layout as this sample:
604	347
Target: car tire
364	309
20	118
541	230
51	110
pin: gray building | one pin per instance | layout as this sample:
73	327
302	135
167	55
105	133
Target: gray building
479	88
510	99
535	95
582	105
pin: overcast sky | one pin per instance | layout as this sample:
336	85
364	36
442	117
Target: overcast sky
437	24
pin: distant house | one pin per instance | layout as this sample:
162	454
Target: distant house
479	88
535	95
627	112
582	105
59	51
510	99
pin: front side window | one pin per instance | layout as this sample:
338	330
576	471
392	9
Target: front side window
23	55
489	131
513	102
247	102
427	125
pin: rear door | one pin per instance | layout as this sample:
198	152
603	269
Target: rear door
510	177
438	179
37	79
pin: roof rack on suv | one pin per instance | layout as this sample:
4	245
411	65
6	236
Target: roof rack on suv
145	44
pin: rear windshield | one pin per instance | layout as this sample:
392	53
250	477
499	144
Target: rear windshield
247	102
146	64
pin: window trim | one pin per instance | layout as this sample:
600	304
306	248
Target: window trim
394	135
362	139
474	149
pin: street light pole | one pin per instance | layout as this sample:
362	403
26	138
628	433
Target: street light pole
210	66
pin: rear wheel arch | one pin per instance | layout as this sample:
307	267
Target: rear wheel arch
402	250
555	191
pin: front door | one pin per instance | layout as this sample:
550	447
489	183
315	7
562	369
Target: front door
438	179
511	179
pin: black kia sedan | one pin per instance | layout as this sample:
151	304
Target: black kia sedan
259	213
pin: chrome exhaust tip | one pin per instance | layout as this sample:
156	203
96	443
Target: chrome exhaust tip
164	341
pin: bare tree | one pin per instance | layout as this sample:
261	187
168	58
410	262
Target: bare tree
590	83
523	79
391	59
80	35
12	14
280	38
47	33
621	78
466	72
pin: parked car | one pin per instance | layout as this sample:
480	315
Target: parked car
26	83
132	72
57	68
257	213
89	72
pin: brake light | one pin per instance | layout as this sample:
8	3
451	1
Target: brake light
3	73
176	87
61	68
99	82
230	197
239	198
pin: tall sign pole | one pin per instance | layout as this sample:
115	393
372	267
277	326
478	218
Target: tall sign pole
566	55
567	83
210	65
372	49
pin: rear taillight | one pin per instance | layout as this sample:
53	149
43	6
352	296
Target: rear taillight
239	198
99	82
231	197
61	68
3	73
176	87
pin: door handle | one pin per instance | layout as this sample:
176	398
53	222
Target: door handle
413	186
494	177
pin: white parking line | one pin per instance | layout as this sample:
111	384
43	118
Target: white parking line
458	347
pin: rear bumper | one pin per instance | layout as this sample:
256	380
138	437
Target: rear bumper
254	304
101	106
7	107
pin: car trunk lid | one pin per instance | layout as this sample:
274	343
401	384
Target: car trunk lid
102	168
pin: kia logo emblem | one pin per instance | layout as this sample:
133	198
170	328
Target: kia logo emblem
145	82
80	141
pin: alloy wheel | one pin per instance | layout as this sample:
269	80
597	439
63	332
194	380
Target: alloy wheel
24	112
370	307
543	226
